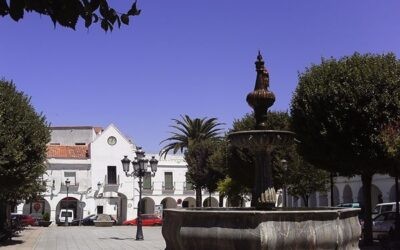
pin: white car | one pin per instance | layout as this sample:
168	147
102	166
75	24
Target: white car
66	214
383	224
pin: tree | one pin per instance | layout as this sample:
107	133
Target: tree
390	138
304	179
203	173
191	133
337	110
23	138
68	12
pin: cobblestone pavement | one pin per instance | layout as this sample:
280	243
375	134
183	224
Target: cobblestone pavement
74	238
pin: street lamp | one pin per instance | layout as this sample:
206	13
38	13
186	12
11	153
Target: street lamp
285	166
140	165
67	182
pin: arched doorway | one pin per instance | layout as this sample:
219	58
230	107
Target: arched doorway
69	203
37	208
392	194
312	200
147	206
189	202
347	194
122	208
210	202
168	202
375	193
323	200
336	196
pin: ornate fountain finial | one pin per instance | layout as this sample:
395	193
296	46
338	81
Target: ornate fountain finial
261	98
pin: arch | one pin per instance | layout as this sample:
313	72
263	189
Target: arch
69	203
147	205
37	208
168	202
347	194
122	208
312	200
323	200
392	193
189	202
336	196
375	193
210	202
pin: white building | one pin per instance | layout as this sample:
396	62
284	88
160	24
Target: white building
90	158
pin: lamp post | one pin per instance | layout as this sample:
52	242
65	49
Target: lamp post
140	165
67	182
285	166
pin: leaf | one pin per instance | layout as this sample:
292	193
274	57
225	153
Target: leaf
94	5
133	11
112	15
88	21
104	8
125	19
96	18
17	9
104	25
119	21
3	8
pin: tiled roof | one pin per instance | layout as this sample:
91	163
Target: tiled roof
68	152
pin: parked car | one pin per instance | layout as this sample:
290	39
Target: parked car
24	219
147	220
65	214
89	220
383	224
384	207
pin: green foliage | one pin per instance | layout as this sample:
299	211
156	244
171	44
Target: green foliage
201	171
339	107
197	137
303	179
46	216
23	138
338	110
189	131
68	12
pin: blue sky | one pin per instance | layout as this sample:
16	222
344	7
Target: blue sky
184	57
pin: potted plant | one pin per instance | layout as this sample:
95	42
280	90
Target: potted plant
46	220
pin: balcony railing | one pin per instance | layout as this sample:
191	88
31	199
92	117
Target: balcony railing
116	183
148	189
72	188
188	188
168	187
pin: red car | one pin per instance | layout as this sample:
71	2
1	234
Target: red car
147	220
25	220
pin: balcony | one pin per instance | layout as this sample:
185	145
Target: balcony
148	188
168	188
188	188
72	188
111	184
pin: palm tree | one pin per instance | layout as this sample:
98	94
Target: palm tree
190	131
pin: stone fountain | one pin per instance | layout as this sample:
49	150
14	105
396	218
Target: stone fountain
262	226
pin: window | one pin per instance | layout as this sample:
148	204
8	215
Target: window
147	181
168	181
112	175
71	176
189	186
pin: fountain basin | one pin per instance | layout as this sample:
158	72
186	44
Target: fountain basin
246	228
260	139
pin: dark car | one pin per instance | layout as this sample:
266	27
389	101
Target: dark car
89	220
147	220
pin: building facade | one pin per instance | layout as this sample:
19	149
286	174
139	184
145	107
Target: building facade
90	158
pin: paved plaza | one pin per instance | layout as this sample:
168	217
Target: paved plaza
72	238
